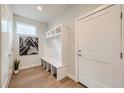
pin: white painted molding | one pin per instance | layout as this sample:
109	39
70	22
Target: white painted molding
29	66
71	76
6	84
7	11
100	8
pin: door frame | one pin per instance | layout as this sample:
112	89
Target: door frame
10	19
100	8
0	47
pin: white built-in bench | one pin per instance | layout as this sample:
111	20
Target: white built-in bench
54	67
58	68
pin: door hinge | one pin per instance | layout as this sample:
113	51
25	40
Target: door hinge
121	15
121	55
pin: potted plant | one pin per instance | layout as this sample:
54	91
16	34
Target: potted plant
16	66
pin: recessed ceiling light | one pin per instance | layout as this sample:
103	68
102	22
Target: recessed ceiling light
39	8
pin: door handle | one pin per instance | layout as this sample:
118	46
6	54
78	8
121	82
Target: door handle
79	55
9	55
79	50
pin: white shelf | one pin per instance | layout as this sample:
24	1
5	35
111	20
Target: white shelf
53	33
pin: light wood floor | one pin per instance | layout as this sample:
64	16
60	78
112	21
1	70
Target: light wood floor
38	77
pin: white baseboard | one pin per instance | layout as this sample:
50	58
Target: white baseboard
6	84
71	76
29	66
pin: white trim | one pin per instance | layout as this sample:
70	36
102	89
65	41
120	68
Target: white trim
25	24
0	45
71	76
6	9
76	49
102	7
6	84
29	66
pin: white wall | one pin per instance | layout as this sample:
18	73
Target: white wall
52	48
68	18
30	60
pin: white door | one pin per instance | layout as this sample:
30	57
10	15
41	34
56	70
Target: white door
6	46
99	37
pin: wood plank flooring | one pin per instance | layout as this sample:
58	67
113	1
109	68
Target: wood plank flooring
38	77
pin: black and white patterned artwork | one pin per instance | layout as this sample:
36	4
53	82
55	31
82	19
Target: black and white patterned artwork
28	45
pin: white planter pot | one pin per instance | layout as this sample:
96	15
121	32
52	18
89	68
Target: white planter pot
16	72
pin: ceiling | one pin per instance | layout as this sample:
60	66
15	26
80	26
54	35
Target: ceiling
49	11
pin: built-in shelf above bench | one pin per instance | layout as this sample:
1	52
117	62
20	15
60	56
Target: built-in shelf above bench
54	32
